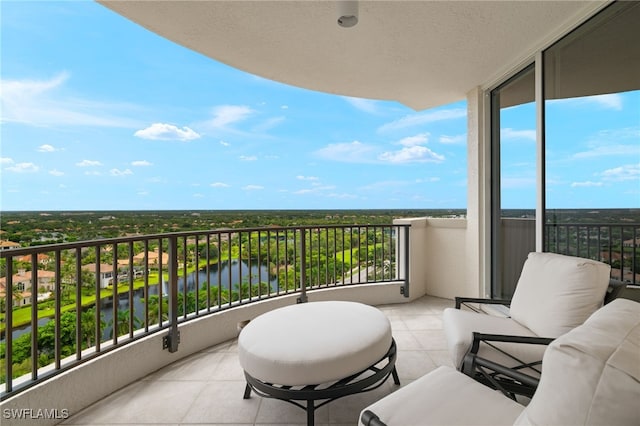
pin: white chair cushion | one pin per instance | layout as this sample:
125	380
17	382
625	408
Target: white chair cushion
313	343
459	325
591	375
445	397
556	293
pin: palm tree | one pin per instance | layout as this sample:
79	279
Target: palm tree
122	326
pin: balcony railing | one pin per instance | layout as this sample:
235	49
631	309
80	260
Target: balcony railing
88	298
615	244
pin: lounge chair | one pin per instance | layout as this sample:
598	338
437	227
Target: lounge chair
555	293
590	376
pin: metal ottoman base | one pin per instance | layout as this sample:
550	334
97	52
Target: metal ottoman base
368	379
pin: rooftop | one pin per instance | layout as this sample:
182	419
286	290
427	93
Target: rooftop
207	387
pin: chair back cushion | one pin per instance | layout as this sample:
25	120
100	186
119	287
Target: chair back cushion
591	375
556	293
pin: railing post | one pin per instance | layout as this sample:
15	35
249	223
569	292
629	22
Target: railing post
171	340
405	287
303	268
8	330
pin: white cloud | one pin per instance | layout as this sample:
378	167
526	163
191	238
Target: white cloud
412	154
141	163
419	139
300	177
510	134
163	131
342	196
586	184
453	140
6	160
384	186
46	148
118	172
23	168
268	124
609	150
219	185
609	101
423	118
89	163
365	105
223	143
248	158
284	107
606	101
44	103
431	179
56	172
353	152
413	151
318	189
228	114
252	187
622	173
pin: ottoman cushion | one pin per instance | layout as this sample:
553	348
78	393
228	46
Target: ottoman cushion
313	343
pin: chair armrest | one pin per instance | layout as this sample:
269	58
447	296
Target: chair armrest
483	337
368	418
511	373
510	381
464	300
614	289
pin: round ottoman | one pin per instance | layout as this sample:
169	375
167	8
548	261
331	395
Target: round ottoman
317	351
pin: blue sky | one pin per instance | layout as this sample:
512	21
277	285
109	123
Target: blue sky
98	113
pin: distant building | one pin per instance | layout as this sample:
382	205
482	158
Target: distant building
106	273
6	245
23	286
631	243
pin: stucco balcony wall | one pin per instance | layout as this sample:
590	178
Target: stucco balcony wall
438	265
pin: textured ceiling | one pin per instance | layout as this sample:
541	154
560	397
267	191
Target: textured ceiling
419	53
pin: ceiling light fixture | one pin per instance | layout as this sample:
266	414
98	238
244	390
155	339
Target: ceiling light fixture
347	13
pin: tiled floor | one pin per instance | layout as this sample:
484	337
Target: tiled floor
207	387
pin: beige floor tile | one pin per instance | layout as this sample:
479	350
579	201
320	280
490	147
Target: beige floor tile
413	364
432	340
423	322
200	366
144	402
273	411
229	368
222	402
406	341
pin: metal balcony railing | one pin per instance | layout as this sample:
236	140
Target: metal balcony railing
87	298
615	244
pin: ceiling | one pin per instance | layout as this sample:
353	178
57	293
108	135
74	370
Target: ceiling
419	53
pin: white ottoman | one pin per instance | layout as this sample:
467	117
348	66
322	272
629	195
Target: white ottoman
317	351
